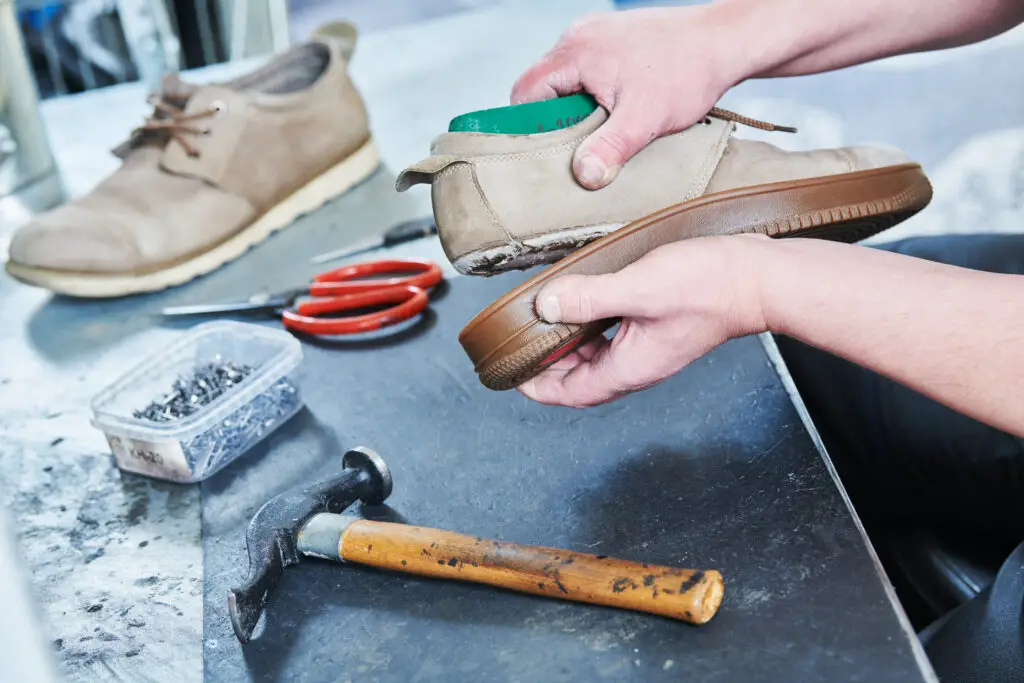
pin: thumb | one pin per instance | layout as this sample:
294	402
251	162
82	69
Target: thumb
600	157
583	299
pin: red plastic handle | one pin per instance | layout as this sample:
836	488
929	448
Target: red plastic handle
410	300
339	281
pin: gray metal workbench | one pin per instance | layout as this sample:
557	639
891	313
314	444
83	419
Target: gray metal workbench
116	560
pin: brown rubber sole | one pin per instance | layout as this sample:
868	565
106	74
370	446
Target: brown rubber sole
509	344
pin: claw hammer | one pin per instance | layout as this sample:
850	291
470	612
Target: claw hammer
310	522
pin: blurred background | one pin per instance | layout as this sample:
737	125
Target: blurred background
79	45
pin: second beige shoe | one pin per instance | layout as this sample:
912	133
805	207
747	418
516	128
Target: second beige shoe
504	202
214	171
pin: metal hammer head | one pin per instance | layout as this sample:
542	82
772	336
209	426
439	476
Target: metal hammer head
273	530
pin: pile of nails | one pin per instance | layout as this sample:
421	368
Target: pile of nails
208	382
245	426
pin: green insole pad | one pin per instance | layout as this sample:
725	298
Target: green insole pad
529	118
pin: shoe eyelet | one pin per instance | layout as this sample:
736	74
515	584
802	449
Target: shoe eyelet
206	132
706	121
218	107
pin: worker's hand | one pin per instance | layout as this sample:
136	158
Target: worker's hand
657	71
676	303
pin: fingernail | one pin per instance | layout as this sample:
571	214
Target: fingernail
550	309
527	386
594	173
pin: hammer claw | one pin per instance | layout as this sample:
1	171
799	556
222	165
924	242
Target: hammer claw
245	604
270	539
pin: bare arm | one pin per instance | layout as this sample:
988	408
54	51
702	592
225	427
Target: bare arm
953	334
809	37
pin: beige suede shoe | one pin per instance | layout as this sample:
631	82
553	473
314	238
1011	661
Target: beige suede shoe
506	202
214	171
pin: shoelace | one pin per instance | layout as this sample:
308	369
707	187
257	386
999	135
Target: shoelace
176	123
727	115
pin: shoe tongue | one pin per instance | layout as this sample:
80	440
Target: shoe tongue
173	91
176	91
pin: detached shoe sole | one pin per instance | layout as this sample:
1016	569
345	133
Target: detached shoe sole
329	185
509	344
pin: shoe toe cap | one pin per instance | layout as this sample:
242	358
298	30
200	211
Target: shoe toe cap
71	240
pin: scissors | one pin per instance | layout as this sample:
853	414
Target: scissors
337	291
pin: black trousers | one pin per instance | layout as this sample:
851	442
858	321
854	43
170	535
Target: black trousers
906	459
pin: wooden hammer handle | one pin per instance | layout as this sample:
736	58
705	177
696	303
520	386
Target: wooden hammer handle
686	594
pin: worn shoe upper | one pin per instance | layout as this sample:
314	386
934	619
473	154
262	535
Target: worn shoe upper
512	201
209	161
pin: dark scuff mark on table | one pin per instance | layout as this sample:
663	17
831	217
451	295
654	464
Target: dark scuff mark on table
138	509
172	607
86	520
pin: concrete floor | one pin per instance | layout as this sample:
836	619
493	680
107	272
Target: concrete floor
961	113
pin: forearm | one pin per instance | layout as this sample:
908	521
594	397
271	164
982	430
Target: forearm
953	334
796	37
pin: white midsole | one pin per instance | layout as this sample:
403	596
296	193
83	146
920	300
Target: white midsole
311	196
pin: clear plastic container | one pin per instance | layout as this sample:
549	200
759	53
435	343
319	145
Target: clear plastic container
191	448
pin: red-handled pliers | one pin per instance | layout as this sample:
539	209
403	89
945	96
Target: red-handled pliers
348	288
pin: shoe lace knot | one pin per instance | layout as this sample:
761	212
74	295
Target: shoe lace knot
174	122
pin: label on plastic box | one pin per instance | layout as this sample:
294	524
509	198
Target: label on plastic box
161	460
